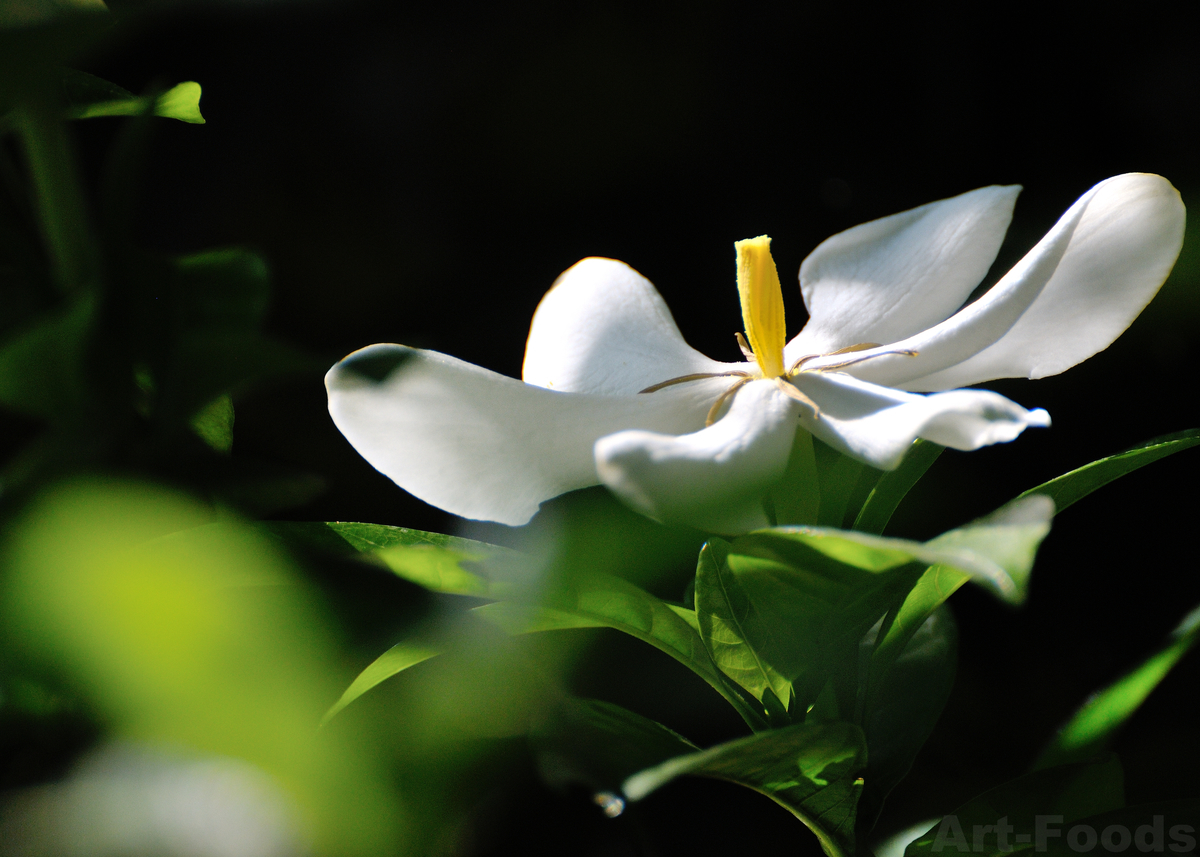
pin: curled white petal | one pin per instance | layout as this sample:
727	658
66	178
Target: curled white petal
604	328
1068	298
713	479
482	445
888	279
1119	256
878	424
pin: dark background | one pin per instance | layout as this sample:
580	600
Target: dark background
421	174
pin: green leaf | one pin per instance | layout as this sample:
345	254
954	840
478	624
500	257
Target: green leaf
439	563
1074	486
213	424
42	368
1071	791
837	475
600	744
905	706
101	98
227	287
395	660
614	603
784	610
894	485
810	770
796	499
727	620
1095	723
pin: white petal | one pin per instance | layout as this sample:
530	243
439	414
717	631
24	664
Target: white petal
888	279
878	424
482	445
1119	255
1068	298
713	479
604	328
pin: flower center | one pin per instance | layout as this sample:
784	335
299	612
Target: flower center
762	314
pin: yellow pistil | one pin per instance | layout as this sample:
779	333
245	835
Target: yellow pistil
762	314
762	304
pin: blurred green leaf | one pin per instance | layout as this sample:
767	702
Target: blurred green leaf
1074	486
228	287
42	367
395	660
1072	792
89	97
213	424
211	645
894	485
1097	721
513	619
600	744
810	770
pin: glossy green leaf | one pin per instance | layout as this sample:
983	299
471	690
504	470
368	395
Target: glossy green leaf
1074	486
1093	725
894	485
810	770
1070	792
600	744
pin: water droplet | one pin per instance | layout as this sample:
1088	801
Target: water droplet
613	805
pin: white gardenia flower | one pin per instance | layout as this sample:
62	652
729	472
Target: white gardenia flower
612	394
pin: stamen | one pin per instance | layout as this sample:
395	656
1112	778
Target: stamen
742	344
849	349
833	367
789	390
712	412
683	379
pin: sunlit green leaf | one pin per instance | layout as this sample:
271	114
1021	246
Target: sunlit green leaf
600	744
1095	723
1074	486
894	485
180	102
1072	792
724	610
395	660
810	770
